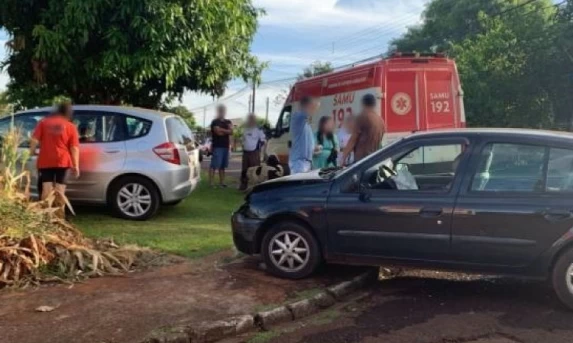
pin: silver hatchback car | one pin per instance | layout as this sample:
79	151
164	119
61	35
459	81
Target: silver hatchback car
132	159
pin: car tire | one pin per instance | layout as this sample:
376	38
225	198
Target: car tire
286	265
562	278
130	191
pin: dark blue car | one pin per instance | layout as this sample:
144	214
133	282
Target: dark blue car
490	201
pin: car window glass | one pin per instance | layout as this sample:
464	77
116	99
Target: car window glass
178	132
509	168
96	127
284	123
425	168
25	123
137	127
560	171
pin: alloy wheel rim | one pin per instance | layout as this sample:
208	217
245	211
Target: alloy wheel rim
569	278
289	251
134	199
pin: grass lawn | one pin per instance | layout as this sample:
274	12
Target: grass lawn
196	227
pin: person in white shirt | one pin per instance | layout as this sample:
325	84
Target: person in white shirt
253	140
344	135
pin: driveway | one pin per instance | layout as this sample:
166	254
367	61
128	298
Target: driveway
432	307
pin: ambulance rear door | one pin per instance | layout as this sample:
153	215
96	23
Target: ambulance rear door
441	106
401	101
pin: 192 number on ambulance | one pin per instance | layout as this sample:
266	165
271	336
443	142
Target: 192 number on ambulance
339	114
439	106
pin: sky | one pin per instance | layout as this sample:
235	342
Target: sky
294	34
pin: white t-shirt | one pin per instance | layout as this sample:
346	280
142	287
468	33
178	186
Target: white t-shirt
252	137
343	139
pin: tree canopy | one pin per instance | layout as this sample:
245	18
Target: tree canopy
138	52
314	69
512	57
184	113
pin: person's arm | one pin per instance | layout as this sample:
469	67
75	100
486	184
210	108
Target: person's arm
36	137
349	148
75	150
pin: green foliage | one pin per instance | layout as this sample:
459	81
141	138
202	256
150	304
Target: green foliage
509	56
6	106
134	51
184	113
315	69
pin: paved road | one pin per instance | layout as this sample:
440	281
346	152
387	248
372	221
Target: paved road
439	308
234	165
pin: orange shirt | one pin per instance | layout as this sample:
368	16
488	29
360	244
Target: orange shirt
57	135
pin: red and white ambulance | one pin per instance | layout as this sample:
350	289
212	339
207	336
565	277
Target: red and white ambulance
416	93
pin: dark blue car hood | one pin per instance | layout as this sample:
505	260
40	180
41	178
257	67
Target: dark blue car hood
291	180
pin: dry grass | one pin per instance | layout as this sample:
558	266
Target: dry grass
37	244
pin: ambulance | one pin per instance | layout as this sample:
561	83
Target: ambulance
416	92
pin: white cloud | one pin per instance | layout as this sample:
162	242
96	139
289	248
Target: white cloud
297	14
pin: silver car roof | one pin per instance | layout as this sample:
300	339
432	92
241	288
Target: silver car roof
138	111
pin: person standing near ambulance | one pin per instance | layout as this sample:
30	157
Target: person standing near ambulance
59	145
368	131
253	140
303	148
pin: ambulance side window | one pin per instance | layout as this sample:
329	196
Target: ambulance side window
283	124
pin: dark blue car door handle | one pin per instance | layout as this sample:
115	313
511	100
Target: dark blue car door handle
553	215
431	212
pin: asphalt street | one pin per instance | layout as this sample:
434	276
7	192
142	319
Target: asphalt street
435	307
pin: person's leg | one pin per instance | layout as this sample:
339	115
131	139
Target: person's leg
47	181
215	164
211	176
296	167
244	167
47	188
224	165
60	181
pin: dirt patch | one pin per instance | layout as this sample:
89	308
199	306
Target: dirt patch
127	308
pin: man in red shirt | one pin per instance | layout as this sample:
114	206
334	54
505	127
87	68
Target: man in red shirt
59	144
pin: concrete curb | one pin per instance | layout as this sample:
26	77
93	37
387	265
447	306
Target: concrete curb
208	332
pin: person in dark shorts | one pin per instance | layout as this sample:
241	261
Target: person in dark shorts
253	140
368	132
221	131
59	144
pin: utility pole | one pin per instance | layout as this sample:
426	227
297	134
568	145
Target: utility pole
267	112
204	117
253	99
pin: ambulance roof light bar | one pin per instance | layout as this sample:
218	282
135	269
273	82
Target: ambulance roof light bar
418	54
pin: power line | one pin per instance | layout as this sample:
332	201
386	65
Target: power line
224	99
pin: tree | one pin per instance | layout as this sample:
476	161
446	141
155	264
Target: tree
314	69
133	52
184	113
506	54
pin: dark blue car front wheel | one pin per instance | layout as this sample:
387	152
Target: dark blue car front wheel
290	251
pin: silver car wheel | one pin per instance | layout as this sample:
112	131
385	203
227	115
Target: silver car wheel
569	278
134	199
289	251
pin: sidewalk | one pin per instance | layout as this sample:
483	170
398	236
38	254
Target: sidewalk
127	308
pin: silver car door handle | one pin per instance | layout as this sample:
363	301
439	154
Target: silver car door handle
111	151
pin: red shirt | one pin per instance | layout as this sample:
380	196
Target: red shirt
57	135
